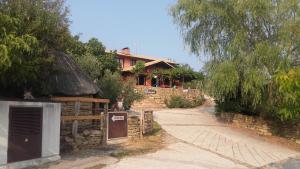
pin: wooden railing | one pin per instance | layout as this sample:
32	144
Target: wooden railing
77	109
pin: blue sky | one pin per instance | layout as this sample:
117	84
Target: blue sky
142	25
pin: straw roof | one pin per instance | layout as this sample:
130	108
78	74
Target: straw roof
69	79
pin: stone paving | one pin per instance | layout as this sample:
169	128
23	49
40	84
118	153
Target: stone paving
203	142
177	156
198	127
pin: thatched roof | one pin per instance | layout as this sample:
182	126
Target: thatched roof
69	79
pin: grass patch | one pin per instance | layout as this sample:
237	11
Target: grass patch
156	130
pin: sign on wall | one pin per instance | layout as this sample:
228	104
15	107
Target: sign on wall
150	91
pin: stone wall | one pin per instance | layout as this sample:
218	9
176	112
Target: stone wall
147	121
261	126
157	99
139	123
134	126
87	138
89	133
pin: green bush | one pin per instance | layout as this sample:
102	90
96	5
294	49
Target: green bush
194	84
181	102
112	86
130	94
287	96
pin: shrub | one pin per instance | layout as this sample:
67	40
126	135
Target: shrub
181	102
287	97
130	94
110	86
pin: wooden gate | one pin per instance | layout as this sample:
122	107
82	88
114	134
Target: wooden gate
117	125
25	133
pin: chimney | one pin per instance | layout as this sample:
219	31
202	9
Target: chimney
125	51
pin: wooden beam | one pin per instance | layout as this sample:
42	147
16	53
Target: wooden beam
105	124
80	99
88	117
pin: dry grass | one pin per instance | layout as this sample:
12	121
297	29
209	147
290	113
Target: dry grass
149	143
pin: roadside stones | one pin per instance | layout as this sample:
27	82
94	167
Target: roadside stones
95	132
86	133
69	139
87	138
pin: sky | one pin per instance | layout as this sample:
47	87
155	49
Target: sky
144	26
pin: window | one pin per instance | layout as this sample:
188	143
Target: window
132	62
121	62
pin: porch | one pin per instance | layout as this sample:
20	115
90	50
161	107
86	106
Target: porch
157	81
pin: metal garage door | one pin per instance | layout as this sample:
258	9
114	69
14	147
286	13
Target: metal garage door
25	133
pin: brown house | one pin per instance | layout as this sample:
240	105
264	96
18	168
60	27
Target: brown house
152	65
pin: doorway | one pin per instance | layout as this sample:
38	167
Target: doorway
154	82
141	80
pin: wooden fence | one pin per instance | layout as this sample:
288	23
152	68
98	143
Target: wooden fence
81	109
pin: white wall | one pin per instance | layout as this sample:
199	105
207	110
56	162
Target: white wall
51	127
4	109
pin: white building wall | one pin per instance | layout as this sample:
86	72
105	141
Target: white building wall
51	127
4	109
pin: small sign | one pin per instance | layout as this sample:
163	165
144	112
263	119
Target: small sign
185	90
150	91
117	118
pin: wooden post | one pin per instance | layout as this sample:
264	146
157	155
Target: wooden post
105	124
75	122
142	124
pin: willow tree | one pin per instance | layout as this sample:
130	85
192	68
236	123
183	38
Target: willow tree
247	43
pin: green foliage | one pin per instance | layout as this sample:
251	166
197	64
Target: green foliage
139	68
181	102
95	47
225	81
247	43
22	60
288	94
185	73
29	29
77	48
91	65
109	62
130	94
110	86
46	20
92	58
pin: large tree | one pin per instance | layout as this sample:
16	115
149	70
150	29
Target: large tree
29	30
247	42
93	58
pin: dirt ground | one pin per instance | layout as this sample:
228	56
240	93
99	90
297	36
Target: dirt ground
152	142
99	157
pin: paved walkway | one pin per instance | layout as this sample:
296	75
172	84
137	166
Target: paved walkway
205	143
